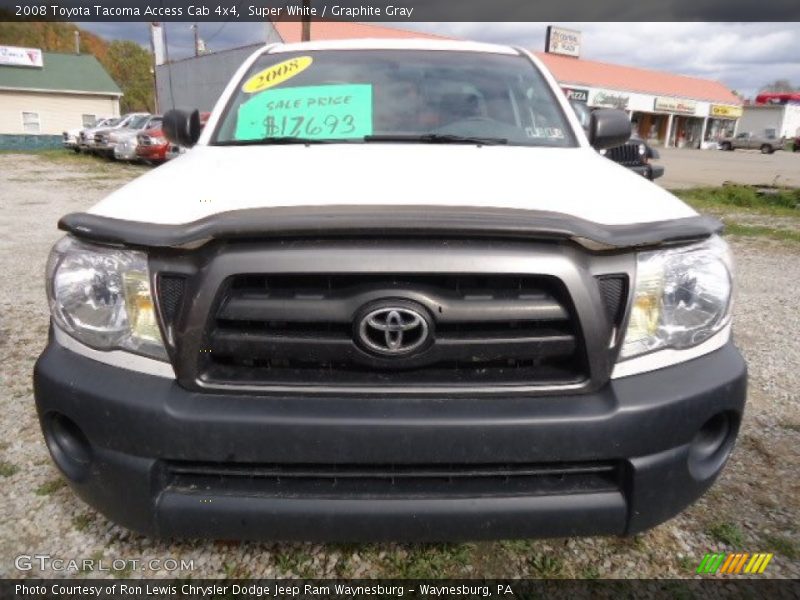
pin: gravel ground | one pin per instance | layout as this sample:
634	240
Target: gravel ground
754	506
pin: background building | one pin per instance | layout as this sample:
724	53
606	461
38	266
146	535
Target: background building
775	120
43	94
666	109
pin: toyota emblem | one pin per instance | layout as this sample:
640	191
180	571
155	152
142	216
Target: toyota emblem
393	330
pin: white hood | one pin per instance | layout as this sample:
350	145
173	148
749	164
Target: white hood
213	179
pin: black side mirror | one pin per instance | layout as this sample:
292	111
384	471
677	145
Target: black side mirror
182	127
609	128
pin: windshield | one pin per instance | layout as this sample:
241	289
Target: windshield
138	122
393	95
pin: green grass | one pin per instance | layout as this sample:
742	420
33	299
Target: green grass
773	233
761	199
82	521
50	487
7	469
783	545
425	561
727	533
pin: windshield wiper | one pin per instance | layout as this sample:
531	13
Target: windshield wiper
277	141
436	138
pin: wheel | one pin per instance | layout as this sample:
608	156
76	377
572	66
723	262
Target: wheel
76	150
726	146
766	149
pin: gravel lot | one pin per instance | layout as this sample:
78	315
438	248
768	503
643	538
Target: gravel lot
754	506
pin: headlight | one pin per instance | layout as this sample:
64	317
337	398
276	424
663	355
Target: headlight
642	149
158	141
101	296
681	298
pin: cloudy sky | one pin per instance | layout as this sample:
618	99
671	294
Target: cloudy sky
745	56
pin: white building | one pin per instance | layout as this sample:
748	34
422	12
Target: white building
43	94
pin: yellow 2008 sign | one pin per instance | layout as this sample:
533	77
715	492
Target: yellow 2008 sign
276	74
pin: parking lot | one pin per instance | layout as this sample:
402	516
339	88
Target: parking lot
692	168
754	507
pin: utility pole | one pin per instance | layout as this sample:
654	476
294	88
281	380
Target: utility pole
196	40
305	35
77	42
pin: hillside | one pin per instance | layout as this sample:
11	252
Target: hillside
127	62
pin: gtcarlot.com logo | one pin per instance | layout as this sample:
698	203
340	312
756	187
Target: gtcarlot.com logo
734	563
46	562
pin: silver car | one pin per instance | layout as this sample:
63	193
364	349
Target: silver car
767	142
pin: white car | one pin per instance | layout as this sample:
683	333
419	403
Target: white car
125	139
391	292
69	138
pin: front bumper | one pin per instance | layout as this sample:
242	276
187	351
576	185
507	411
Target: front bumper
165	461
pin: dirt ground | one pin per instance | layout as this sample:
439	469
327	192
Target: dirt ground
754	507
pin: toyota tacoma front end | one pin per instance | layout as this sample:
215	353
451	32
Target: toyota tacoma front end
391	293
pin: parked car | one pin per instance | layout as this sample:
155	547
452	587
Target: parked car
635	154
154	148
102	143
69	138
392	292
125	140
86	135
751	141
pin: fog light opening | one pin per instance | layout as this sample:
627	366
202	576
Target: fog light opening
712	444
68	446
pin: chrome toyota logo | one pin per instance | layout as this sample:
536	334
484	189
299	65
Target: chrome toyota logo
393	330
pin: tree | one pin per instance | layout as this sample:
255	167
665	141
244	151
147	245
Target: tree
779	85
130	66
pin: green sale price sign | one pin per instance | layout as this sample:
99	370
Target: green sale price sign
314	112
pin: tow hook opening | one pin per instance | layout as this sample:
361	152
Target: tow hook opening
68	446
712	445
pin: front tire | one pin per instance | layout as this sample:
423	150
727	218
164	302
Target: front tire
726	146
767	149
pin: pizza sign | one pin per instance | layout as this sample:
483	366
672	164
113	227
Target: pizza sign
13	56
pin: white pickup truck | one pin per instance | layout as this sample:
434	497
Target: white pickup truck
392	292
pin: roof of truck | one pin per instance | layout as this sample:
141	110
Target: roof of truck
394	44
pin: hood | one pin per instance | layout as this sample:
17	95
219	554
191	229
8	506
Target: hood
209	180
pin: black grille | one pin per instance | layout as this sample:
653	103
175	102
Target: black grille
301	330
170	296
614	292
627	154
387	481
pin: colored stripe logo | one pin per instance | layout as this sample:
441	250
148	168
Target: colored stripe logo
734	563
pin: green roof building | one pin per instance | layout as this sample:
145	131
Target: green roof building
54	93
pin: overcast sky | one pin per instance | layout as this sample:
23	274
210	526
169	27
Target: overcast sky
744	56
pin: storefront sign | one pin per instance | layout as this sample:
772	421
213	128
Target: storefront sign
730	112
563	41
673	105
576	94
20	57
609	100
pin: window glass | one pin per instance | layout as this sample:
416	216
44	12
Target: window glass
365	95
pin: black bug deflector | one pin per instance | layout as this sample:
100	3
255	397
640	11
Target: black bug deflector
402	221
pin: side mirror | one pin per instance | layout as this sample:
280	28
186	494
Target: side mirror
182	127
609	128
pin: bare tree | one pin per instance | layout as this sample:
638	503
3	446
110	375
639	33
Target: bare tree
779	85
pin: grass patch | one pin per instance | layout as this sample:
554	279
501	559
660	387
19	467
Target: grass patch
50	487
727	533
82	522
780	544
7	469
427	561
546	566
762	199
773	233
